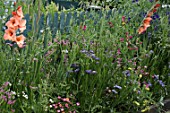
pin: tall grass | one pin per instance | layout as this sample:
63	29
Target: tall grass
105	67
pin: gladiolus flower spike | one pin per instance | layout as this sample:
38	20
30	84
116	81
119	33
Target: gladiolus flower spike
14	25
146	21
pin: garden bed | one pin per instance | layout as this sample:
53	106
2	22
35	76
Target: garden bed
79	61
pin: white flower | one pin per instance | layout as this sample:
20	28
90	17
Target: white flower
4	17
51	101
13	92
41	31
25	96
65	51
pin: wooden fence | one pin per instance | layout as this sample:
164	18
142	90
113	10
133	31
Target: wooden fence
63	21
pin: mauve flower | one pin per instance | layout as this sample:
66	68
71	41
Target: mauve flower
123	18
13	110
4	97
84	27
6	84
59	97
1	90
66	105
118	52
78	104
11	102
121	39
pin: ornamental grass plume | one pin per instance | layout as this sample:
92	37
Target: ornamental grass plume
15	24
146	21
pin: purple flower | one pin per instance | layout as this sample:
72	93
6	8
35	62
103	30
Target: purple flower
167	13
149	84
129	19
133	1
83	51
91	51
77	70
138	92
114	91
156	77
88	71
4	97
127	73
151	0
119	87
161	83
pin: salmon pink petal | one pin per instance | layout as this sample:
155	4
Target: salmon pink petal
22	28
7	37
10	31
148	19
22	23
19	12
20	39
12	23
141	29
146	25
9	24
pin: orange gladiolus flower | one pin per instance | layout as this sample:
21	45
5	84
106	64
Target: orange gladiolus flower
141	29
147	19
20	40
9	34
19	12
146	22
16	22
21	25
12	23
16	16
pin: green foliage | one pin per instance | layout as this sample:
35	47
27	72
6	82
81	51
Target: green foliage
105	66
